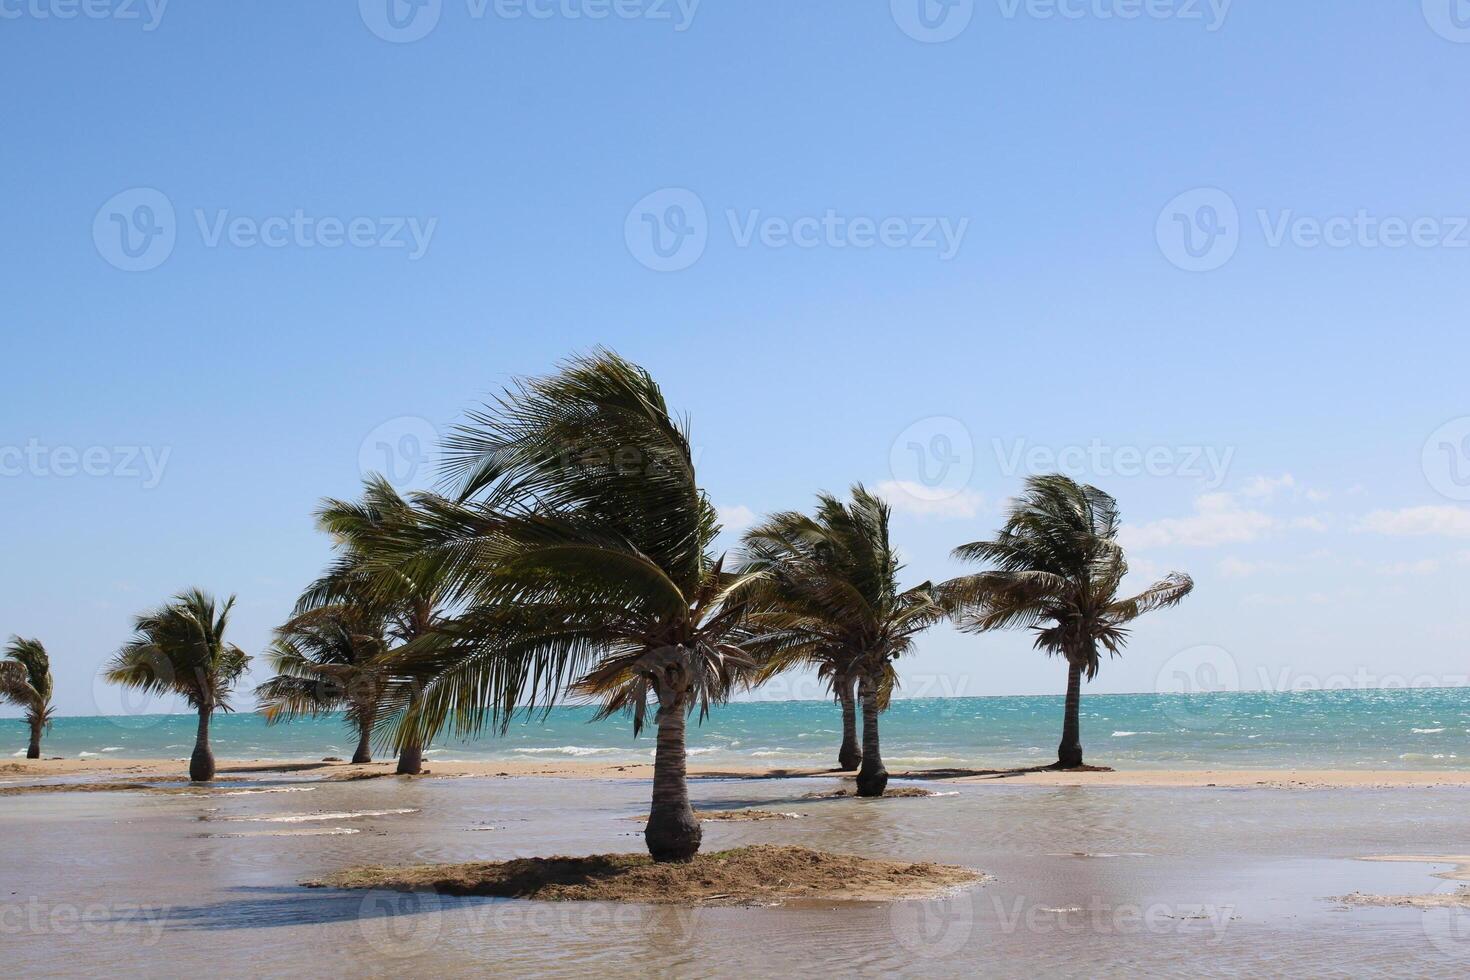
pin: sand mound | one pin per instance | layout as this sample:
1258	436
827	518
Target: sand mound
900	793
746	876
1449	900
150	784
743	816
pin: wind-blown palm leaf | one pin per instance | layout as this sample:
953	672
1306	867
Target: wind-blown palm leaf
25	681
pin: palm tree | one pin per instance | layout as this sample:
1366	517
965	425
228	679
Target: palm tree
25	681
180	649
327	660
1058	566
579	545
826	593
367	577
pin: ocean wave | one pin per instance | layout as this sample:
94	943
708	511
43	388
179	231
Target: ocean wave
1129	734
1427	731
86	755
572	750
113	748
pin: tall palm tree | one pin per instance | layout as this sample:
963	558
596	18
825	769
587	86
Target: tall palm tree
580	547
1058	566
826	592
25	681
180	649
366	576
327	660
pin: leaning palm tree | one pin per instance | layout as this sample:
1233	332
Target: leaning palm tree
826	593
180	649
25	681
1058	566
326	660
366	577
579	547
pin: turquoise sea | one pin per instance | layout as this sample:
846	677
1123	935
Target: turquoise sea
1402	729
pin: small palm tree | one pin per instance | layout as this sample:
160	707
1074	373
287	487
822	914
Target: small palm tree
826	592
180	649
25	681
368	578
579	546
1058	569
327	660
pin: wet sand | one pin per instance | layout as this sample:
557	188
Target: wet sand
1160	778
1097	878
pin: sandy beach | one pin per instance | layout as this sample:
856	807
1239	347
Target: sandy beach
13	772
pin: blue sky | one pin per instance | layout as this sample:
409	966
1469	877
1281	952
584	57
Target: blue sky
869	240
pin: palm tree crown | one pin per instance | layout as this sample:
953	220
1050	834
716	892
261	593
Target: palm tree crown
25	681
577	550
1057	570
180	649
826	592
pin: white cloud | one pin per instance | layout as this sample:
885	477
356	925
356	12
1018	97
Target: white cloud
1265	487
1439	521
735	518
917	500
1217	520
1425	566
1240	568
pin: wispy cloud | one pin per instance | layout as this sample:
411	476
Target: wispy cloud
735	518
1429	521
917	500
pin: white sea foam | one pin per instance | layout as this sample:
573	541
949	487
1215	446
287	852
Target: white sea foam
1428	731
113	748
272	789
86	755
314	817
572	750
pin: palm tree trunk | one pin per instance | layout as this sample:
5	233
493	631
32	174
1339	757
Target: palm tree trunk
411	760
33	751
872	778
849	755
364	753
1069	753
201	763
673	832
